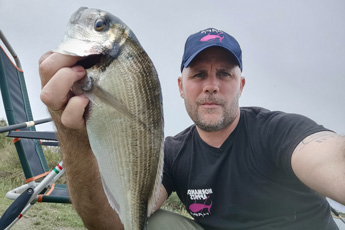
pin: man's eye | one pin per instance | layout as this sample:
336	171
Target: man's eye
199	75
224	74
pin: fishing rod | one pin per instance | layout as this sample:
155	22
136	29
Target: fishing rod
337	215
24	125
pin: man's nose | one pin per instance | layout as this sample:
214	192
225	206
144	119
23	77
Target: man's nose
211	85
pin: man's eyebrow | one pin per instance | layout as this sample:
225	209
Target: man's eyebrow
223	69
199	70
226	68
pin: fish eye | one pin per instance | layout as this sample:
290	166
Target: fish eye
99	24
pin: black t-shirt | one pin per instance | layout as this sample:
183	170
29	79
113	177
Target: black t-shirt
247	183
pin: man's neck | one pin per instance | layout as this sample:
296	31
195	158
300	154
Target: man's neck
217	138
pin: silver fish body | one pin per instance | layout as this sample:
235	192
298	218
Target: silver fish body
125	118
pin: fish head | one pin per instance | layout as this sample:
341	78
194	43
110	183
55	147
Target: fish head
94	32
97	36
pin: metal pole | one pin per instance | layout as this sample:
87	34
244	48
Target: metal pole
10	49
24	125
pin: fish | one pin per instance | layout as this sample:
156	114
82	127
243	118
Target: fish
124	118
210	37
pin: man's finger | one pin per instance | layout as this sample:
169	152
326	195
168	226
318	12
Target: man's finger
50	63
45	56
73	115
57	91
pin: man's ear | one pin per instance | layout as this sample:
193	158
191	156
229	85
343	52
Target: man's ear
180	86
243	82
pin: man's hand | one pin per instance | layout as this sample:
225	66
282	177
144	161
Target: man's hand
58	74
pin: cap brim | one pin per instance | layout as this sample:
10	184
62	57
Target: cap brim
190	59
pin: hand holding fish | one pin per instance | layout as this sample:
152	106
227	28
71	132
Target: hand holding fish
57	81
58	73
101	72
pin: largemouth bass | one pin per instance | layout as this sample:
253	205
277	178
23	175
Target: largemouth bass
125	119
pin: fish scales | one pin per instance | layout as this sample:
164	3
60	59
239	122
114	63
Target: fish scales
125	118
139	139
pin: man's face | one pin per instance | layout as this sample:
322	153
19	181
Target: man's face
211	87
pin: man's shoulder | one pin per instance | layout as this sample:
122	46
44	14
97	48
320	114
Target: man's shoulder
180	137
258	111
259	114
264	115
174	145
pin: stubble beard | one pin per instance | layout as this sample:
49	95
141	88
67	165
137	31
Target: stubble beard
222	121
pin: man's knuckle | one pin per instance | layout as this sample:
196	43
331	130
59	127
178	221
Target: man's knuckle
46	97
45	68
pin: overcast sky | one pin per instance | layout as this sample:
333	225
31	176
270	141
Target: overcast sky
293	51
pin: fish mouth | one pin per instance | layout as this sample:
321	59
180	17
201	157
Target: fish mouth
78	87
90	61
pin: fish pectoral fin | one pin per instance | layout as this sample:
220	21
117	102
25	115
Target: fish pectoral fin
116	104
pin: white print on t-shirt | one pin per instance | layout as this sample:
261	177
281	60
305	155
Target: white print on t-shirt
199	194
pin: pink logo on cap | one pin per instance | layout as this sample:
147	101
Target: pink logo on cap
210	37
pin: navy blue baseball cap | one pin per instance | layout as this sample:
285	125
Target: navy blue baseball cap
208	38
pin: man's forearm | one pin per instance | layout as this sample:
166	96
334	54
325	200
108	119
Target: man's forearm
84	182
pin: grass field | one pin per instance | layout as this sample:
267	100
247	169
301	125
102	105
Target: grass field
43	215
40	216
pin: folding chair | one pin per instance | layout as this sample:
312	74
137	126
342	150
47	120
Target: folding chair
28	144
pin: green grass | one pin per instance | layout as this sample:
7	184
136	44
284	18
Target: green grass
174	204
41	215
45	215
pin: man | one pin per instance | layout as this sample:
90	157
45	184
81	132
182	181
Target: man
236	168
